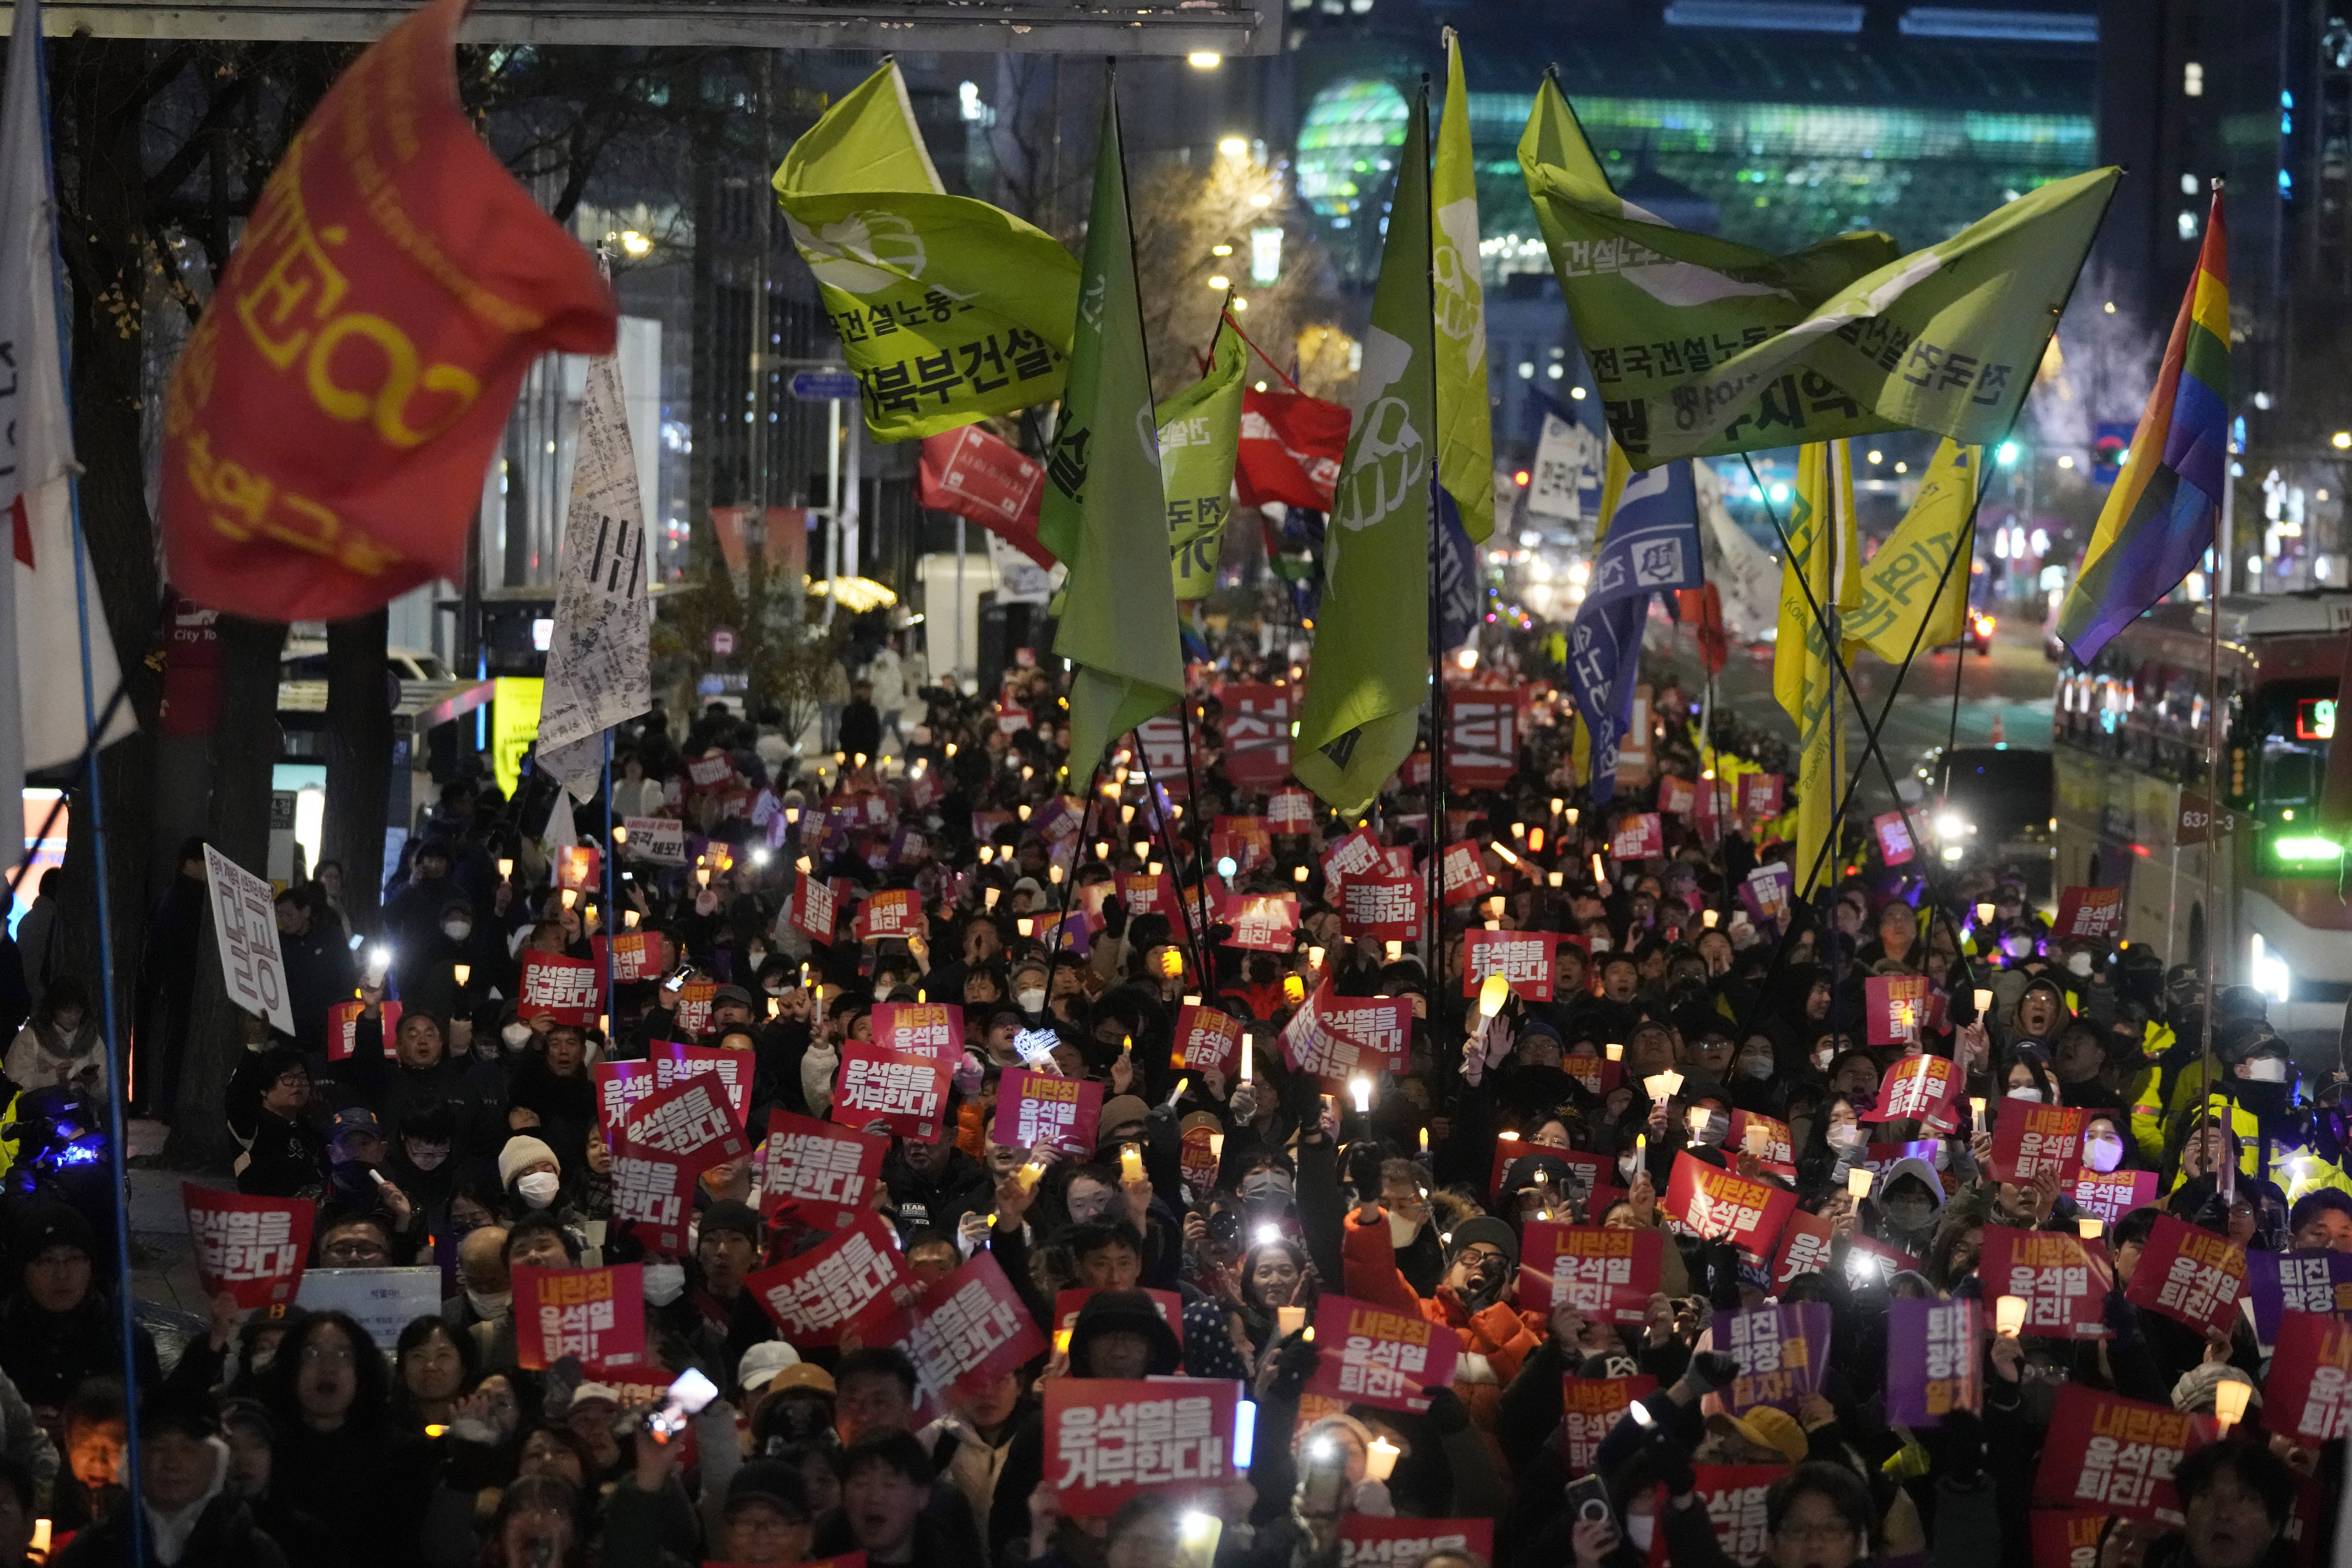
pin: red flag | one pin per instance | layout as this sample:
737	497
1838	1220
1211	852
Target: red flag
973	474
1291	449
1703	608
328	427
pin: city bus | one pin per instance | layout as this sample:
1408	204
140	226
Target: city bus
2129	735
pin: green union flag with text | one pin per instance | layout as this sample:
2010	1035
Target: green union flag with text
1701	346
1199	438
1370	672
1466	434
948	310
1103	507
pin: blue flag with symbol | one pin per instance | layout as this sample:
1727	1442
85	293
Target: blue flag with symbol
1652	546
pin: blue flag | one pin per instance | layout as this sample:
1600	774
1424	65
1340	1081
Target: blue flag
1461	597
1652	546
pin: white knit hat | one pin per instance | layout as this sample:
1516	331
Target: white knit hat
522	1150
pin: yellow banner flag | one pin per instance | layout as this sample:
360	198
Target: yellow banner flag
1822	573
1914	580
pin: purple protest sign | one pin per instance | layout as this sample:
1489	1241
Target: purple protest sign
1932	1359
1780	1351
2280	1282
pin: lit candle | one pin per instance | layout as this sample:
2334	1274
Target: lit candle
1708	918
1360	1091
2089	1228
1555	879
1289	1320
1062	1341
1491	993
1299	873
505	868
40	1544
1395	950
1131	1161
1977	1104
1641	1149
1425	1139
1314	958
1984	914
1216	1145
463	972
1857	1183
1535	840
1698	1120
1571	817
572	895
1245	1058
1028	927
628	920
1615	1052
2229	1403
1380	1463
620	833
2008	1316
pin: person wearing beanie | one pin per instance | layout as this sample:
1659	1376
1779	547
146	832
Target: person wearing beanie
56	1328
530	1174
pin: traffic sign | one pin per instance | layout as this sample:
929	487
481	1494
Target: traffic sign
722	641
817	385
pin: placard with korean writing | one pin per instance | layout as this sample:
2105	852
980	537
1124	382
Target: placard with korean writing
1310	1045
2190	1275
1263	921
2028	1139
1109	1439
1768	1141
2281	1282
1719	1205
343	1027
1806	1244
619	1085
2067	1537
1934	1352
919	1029
1590	1408
1206	1038
1144	894
818	1173
1381	909
2109	1452
1380	1026
1676	797
1371	1355
2309	1388
244	920
1733	1496
660	839
1258	733
596	1314
564	989
653	1192
1369	1540
254	1248
1036	1109
1482	738
2063	1281
814	910
1916	1088
1895	846
813	1295
892	912
1780	1350
674	1063
690	1007
969	1328
1607	1275
1355	853
636	955
2093	914
1639	835
2109	1196
1760	796
1465	873
908	1092
1599	1075
688	1122
1523	958
1290	811
1894	1008
1765	894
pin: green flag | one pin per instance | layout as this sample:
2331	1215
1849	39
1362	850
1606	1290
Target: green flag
1102	511
1372	642
1199	436
1701	346
1466	436
949	310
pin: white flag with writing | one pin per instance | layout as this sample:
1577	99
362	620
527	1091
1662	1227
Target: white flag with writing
599	653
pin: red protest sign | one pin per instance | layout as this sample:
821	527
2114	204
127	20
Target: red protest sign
1068	1304
1894	845
1719	1204
1198	1159
619	1085
1257	734
636	955
688	1122
818	1174
253	1248
674	1063
1590	1408
1916	1088
2310	1380
1109	1439
596	1314
1523	958
1806	1244
690	1007
2067	1537
920	1029
554	986
1148	895
1768	1141
653	1192
1760	796
2190	1275
813	1295
1310	1045
1380	1026
814	910
1894	1008
1676	797
1465	873
1370	1540
2030	1139
2109	1197
1598	1076
908	1092
1780	1352
1934	1353
968	1328
2063	1283
1037	1110
1264	922
1356	854
1607	1275
1206	1038
1381	909
1639	835
2093	913
2107	1452
1371	1355
1482	738
893	912
1733	1498
343	1027
1290	811
579	868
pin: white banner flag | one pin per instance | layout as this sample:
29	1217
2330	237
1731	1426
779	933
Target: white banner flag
244	920
599	657
1567	462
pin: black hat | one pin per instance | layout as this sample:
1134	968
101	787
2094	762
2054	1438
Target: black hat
166	1409
771	1481
1124	1312
1487	1229
54	1224
727	1215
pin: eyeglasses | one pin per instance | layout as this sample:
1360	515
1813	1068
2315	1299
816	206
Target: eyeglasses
316	1353
358	1250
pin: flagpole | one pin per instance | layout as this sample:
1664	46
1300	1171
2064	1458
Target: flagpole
611	918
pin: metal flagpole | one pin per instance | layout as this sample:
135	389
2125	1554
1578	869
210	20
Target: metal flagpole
611	918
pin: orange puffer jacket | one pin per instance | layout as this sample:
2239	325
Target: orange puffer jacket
1493	1341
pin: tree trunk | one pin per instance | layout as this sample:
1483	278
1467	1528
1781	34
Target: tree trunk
358	760
245	747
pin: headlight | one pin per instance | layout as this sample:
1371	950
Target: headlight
1952	852
1951	825
2269	972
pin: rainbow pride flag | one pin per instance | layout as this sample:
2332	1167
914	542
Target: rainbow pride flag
2160	518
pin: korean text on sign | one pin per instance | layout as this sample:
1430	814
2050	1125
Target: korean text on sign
1607	1275
969	1325
1933	1354
2064	1286
2117	1454
1373	1356
1522	958
1589	1409
596	1314
818	1173
2189	1274
1043	1110
908	1092
1109	1439
252	1248
244	918
1779	1349
814	1295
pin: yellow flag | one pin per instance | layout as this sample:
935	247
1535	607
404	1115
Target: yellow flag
1822	570
1907	582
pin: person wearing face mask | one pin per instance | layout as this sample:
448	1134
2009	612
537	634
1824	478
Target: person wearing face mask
2105	1149
2028	1078
1753	1070
530	1175
1910	1201
1029	979
486	1291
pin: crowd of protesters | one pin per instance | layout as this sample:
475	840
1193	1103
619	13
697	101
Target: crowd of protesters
473	1140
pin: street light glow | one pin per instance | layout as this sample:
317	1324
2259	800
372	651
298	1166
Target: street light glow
1204	59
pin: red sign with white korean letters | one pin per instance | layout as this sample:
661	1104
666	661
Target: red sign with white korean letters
2190	1275
1369	1540
1370	1356
252	1248
814	1295
908	1092
1037	1110
2094	914
1465	873
596	1314
2310	1380
1524	958
343	1027
1719	1205
2063	1281
1257	734
2030	1139
688	1122
818	1174
1265	922
1590	1408
2109	1452
919	1029
1381	909
1482	739
1207	1038
1607	1275
1111	1439
968	1328
565	989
